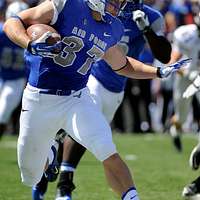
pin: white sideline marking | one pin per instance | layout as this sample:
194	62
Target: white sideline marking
8	144
131	157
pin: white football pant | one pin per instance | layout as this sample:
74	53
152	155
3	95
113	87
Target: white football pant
43	115
182	106
107	101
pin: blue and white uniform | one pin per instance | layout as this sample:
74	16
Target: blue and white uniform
12	76
56	95
103	82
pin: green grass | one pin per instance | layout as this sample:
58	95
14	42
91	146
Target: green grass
159	171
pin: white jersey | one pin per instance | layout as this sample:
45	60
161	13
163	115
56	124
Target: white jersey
187	42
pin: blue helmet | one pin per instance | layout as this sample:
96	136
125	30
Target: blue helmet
131	6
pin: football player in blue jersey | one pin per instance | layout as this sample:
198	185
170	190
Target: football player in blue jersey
12	71
56	95
142	24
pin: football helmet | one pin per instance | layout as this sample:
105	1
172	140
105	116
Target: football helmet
196	11
100	6
15	8
131	6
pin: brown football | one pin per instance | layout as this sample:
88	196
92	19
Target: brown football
37	30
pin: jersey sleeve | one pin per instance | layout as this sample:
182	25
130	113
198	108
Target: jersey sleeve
118	30
58	5
158	26
182	41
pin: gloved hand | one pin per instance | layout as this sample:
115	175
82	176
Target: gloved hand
141	19
192	88
40	47
164	72
192	75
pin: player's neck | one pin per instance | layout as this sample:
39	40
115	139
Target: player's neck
96	16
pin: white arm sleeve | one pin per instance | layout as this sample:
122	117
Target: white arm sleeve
158	26
58	5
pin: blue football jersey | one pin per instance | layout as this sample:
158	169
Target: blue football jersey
132	44
11	58
84	42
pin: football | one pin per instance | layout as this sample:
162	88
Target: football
37	30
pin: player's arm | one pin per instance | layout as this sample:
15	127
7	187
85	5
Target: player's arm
154	35
155	41
129	67
176	53
133	68
15	28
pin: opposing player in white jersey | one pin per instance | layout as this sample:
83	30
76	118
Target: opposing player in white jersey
12	71
186	43
56	95
193	188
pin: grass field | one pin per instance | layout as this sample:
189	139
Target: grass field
159	171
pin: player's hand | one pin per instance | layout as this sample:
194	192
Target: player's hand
164	72
192	88
40	47
141	19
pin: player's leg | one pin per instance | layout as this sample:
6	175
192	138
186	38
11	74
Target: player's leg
181	107
72	150
192	188
11	94
72	153
38	126
52	171
89	128
100	96
40	189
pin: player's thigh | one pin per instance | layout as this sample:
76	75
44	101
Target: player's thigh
87	125
37	131
106	100
95	88
110	107
182	106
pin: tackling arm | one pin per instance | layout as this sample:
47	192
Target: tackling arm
155	42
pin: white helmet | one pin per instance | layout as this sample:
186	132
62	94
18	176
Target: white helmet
196	12
15	8
99	6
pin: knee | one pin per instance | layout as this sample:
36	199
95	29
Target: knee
112	160
104	150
